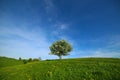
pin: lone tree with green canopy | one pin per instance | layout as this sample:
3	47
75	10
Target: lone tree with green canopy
60	48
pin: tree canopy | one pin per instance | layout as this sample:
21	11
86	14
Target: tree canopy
60	48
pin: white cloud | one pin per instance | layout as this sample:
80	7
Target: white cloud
95	53
111	47
24	43
105	54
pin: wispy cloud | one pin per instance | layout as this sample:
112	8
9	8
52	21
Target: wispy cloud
110	48
50	7
51	10
95	53
60	31
19	42
105	54
114	42
60	28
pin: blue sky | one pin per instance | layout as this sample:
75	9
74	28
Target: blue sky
29	27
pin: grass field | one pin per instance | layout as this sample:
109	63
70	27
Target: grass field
66	69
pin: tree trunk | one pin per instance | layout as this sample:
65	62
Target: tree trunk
60	57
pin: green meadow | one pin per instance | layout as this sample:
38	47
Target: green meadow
66	69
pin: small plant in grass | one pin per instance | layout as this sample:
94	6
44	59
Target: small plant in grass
25	61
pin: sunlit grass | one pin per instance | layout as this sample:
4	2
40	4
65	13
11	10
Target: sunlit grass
67	69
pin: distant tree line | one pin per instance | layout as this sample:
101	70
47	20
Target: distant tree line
29	60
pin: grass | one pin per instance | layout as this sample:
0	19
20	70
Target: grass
5	62
66	69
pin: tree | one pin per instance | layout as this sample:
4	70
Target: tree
35	59
30	60
24	61
60	48
20	58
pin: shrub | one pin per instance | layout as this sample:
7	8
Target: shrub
25	61
30	60
36	59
